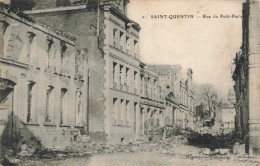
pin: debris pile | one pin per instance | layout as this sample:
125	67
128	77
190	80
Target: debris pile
213	142
178	146
85	147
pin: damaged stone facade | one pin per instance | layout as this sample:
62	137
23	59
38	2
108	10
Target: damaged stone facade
228	116
122	76
126	98
43	83
178	92
112	44
151	104
247	79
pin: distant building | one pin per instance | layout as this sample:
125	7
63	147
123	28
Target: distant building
170	99
199	112
228	116
151	103
43	83
247	79
178	95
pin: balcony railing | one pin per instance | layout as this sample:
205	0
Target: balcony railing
121	86
135	91
64	72
115	122
152	103
127	123
114	42
127	88
114	85
80	76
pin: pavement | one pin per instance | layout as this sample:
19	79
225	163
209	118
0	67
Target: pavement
171	152
142	159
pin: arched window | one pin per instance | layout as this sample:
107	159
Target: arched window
30	56
79	112
64	104
50	101
31	114
115	111
64	58
2	37
49	52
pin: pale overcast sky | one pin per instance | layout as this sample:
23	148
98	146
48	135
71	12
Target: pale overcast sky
208	46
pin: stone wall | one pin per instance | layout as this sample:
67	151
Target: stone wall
83	24
17	133
38	62
42	4
246	77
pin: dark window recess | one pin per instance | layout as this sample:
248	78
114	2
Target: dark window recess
75	138
122	140
63	3
30	87
23	4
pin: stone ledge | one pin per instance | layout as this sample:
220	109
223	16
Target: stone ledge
77	126
50	124
31	123
121	126
55	9
254	121
65	125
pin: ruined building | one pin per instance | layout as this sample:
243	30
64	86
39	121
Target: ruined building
228	116
178	92
247	79
152	109
112	44
125	99
43	83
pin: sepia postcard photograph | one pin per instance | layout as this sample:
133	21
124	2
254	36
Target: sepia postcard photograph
130	82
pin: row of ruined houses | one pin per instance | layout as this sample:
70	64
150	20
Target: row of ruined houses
68	71
246	76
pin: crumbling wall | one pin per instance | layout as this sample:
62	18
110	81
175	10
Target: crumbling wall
83	25
41	4
16	134
35	137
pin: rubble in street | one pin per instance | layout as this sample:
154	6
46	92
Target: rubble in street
177	146
210	141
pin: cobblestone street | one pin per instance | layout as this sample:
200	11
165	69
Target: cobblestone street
144	159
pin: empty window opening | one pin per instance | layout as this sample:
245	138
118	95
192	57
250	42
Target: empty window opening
122	140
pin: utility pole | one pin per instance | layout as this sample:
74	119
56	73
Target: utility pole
88	103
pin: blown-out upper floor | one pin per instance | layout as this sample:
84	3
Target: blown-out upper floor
106	20
175	86
121	5
24	41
